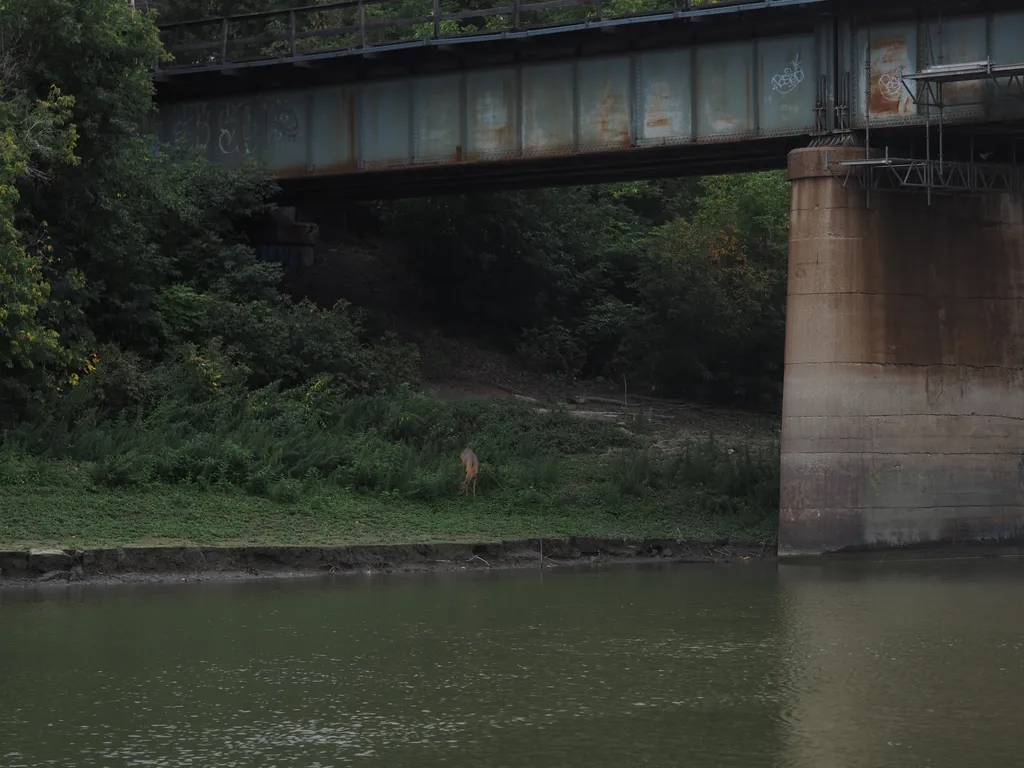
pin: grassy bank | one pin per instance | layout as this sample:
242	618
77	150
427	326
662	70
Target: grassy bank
285	469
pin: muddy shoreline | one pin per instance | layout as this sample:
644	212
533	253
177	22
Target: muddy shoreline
132	565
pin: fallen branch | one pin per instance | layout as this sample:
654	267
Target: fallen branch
584	399
674	403
595	415
477	557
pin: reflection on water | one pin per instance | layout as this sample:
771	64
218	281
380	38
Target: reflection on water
914	664
908	665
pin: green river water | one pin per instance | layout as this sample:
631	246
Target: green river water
853	665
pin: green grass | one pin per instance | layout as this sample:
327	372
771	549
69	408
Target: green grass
302	468
55	503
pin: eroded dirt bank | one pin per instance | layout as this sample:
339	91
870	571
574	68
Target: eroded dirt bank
164	564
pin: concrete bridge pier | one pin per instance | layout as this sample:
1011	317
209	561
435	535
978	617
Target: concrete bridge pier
903	409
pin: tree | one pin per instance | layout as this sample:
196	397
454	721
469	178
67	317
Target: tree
712	290
36	136
108	239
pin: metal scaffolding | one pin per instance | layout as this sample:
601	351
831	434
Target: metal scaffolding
935	174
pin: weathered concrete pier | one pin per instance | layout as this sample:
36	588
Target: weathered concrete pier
903	406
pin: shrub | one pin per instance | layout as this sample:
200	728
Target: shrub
185	429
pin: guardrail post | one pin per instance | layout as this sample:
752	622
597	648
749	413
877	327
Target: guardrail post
437	19
291	24
224	40
600	10
362	25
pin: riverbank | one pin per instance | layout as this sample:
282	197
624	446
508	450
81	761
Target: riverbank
58	524
79	530
174	564
242	478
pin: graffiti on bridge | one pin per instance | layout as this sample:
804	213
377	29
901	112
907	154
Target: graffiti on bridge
192	128
789	78
236	127
282	121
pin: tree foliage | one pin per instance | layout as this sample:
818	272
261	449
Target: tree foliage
35	136
711	294
105	241
118	259
678	285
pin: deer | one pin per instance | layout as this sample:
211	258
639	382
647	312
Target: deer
472	465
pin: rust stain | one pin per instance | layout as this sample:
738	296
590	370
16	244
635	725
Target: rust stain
748	92
545	109
492	125
439	125
662	112
938	307
471	163
964	92
888	56
350	109
717	102
724	111
292	171
612	123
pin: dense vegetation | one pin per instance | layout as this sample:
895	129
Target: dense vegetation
147	354
678	286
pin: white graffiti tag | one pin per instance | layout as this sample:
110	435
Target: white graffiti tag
789	79
237	130
192	128
282	121
890	87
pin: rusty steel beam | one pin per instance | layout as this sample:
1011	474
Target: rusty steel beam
820	83
694	99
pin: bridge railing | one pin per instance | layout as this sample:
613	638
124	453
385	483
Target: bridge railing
362	24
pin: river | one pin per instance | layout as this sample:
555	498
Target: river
843	665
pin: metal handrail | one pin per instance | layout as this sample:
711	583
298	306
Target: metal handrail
229	38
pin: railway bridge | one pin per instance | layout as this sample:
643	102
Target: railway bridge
899	122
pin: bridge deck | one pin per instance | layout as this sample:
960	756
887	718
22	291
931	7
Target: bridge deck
356	27
707	97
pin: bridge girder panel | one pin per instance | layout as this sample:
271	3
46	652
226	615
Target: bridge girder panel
823	76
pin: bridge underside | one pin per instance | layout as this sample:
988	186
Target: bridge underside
532	173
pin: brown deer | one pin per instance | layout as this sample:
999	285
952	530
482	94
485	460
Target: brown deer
472	465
